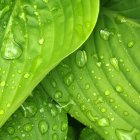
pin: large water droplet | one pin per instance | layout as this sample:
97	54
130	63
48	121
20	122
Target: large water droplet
10	49
43	127
103	122
127	135
68	79
81	58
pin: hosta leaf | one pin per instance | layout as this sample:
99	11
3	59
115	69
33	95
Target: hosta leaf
38	118
89	134
35	35
99	84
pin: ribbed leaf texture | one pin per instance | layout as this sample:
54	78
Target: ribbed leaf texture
99	84
35	35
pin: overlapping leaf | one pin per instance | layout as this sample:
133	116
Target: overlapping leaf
39	118
99	84
35	35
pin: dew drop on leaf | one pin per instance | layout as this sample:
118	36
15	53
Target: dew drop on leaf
27	127
107	92
2	83
1	112
120	19
103	122
41	41
130	44
64	126
10	49
46	1
10	130
58	95
26	76
68	79
43	127
81	58
105	34
119	89
114	63
55	137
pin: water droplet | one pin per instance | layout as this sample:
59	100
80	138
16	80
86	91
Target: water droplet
107	92
98	64
114	63
45	1
64	127
55	127
131	44
68	79
120	19
127	135
87	86
41	41
11	130
119	89
26	76
105	34
53	83
2	83
103	122
81	58
1	112
58	95
53	112
4	11
125	113
27	127
103	110
55	137
43	127
10	49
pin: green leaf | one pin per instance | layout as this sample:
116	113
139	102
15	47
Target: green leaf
89	134
38	118
35	35
71	133
99	84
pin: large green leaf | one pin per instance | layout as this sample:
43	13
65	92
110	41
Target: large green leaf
100	83
35	35
38	118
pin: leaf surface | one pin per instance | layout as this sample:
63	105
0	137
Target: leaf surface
38	118
35	35
99	84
